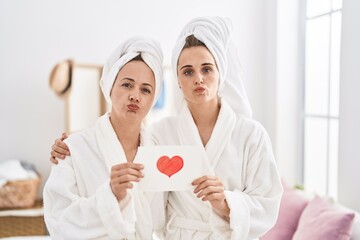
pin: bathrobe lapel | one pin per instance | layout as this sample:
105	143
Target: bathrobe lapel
225	124
108	142
113	154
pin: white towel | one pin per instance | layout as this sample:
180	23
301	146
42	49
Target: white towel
13	170
150	52
215	33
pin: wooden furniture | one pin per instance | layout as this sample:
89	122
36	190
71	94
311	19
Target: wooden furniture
79	85
23	222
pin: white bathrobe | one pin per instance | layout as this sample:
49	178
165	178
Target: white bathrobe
78	200
240	153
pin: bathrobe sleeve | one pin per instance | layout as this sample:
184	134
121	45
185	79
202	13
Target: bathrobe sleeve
69	216
254	209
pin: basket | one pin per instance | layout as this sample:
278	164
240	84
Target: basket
19	193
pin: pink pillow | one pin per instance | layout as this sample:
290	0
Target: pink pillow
322	220
291	206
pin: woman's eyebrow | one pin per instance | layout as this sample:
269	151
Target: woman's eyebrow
206	64
148	84
127	78
185	66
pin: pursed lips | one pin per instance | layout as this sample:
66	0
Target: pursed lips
133	107
199	89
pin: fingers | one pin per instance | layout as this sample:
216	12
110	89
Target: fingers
56	155
119	190
206	181
204	178
210	190
59	151
122	176
126	172
214	197
53	160
64	136
126	176
135	166
61	145
125	184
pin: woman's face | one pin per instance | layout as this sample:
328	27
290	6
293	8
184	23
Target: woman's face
133	92
198	75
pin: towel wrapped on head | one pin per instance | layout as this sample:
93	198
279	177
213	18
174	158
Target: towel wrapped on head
215	33
149	50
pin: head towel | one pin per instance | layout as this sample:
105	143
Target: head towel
147	48
215	33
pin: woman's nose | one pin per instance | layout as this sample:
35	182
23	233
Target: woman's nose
134	97
198	79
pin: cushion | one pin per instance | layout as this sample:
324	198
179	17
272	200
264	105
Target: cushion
322	220
291	206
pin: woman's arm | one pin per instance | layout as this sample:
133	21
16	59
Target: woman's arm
254	209
210	188
70	216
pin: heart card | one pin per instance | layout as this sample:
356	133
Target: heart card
171	168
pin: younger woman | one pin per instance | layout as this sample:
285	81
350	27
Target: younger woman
242	199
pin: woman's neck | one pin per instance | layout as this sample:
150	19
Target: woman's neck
205	116
128	133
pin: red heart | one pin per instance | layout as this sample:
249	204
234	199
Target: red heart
170	166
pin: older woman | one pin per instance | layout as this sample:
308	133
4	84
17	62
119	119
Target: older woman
90	194
242	200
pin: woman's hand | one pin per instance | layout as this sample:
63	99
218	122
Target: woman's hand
59	149
121	177
211	189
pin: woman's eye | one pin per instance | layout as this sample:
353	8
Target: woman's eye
126	85
146	90
188	72
206	69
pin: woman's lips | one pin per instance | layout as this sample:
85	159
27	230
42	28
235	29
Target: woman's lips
199	90
133	107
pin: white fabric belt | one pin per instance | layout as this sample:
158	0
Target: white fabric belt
186	223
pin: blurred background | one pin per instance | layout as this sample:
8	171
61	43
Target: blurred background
300	67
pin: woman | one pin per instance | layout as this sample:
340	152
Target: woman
90	194
242	200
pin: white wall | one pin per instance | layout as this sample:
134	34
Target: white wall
287	92
285	123
349	129
36	34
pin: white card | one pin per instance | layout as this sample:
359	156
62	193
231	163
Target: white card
171	168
